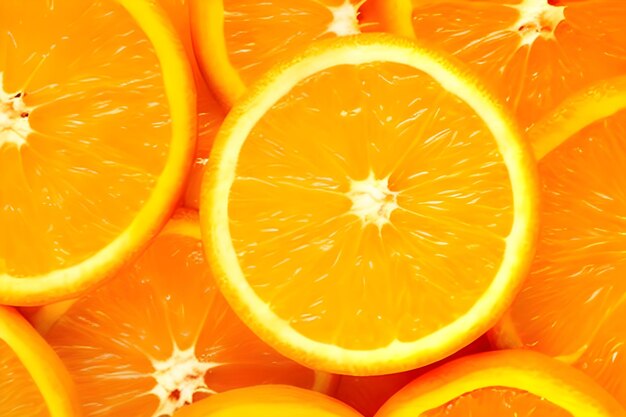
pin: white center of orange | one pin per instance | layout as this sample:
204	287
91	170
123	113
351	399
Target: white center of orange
14	125
372	200
345	19
178	379
538	19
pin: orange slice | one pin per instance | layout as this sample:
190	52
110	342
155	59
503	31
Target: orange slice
368	208
503	384
236	41
533	52
159	335
269	400
34	382
96	137
573	302
210	112
367	394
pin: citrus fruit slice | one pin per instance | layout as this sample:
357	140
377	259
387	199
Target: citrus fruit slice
268	400
573	302
159	335
368	208
367	394
236	41
96	137
34	382
512	383
210	112
533	52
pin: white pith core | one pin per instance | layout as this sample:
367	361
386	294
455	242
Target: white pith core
345	19
372	200
538	19
177	379
14	124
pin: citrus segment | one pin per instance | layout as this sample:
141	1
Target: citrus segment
533	52
572	303
512	383
361	216
274	400
237	41
34	382
159	335
96	134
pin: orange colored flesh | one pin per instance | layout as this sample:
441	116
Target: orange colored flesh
367	394
19	396
572	305
258	34
268	400
590	45
497	401
290	215
166	299
101	131
210	113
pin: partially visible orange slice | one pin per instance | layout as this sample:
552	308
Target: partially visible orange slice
97	125
573	303
210	112
159	335
33	381
504	384
368	208
237	41
269	400
534	53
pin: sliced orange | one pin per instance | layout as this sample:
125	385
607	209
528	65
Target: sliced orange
533	52
512	383
236	41
160	335
367	394
573	302
268	400
33	382
368	208
210	112
96	137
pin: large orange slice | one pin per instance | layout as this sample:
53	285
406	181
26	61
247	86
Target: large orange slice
96	137
368	208
573	302
269	400
504	384
236	41
33	382
533	52
159	335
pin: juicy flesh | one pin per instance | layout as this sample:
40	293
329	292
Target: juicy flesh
159	335
533	52
363	212
497	401
88	130
19	396
581	257
258	34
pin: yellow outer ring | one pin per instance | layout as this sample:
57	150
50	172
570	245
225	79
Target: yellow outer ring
42	363
180	91
220	174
